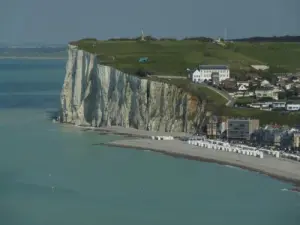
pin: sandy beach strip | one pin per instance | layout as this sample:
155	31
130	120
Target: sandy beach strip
283	169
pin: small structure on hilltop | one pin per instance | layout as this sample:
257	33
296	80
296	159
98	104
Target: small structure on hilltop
142	36
143	59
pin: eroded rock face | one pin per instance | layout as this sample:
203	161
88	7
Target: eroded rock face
98	95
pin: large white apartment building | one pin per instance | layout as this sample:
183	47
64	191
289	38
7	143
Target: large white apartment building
204	72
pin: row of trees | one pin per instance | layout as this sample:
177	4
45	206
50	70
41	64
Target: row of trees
286	38
151	38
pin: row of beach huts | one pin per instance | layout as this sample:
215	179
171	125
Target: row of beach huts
241	149
226	147
202	141
162	138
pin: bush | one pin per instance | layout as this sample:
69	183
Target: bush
141	72
266	99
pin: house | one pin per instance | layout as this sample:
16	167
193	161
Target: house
242	87
289	86
195	76
259	105
245	83
253	76
267	93
278	105
260	67
282	83
219	42
242	129
265	83
229	84
292	107
205	72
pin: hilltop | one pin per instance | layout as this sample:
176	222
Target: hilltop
173	57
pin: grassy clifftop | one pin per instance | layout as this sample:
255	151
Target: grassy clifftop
172	57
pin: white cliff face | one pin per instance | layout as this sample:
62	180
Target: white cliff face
98	95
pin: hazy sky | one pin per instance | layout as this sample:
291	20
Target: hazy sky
59	21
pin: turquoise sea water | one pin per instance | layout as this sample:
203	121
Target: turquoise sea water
51	174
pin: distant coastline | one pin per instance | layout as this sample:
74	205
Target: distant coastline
35	57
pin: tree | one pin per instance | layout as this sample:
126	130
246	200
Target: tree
281	95
141	72
289	94
251	87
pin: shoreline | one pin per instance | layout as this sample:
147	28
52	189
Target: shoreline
35	57
280	169
240	162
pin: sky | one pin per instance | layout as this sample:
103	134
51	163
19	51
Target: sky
61	21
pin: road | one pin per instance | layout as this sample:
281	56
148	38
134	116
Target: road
169	77
230	100
224	94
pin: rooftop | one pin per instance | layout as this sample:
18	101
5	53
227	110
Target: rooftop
213	67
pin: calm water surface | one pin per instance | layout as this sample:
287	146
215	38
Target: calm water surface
52	174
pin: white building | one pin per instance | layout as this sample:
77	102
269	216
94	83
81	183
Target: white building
205	73
292	107
242	87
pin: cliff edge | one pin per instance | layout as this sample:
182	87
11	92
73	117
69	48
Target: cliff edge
98	95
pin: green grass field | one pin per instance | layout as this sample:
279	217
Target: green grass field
282	55
173	57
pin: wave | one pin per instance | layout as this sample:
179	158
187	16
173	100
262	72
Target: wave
284	189
234	167
41	187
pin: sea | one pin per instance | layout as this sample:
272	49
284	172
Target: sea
55	174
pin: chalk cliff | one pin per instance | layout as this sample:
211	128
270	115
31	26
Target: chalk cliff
98	95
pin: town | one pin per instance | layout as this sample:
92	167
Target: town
279	95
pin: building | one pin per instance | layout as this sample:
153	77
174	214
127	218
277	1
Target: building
242	87
292	107
244	83
204	73
215	78
265	84
278	105
241	129
267	93
216	127
296	140
212	127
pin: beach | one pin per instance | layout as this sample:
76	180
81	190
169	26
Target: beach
280	168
